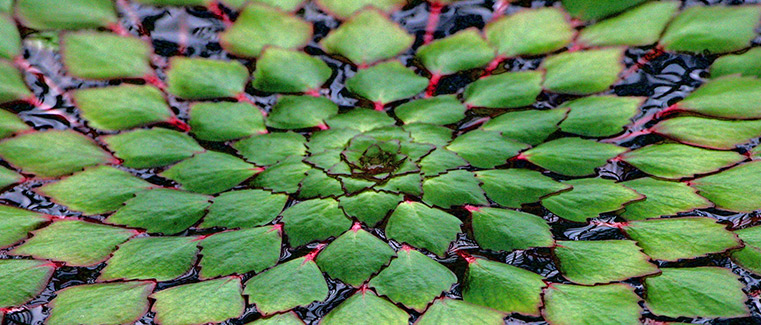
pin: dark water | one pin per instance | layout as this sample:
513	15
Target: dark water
193	32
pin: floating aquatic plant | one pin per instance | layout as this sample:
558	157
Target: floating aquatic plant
245	185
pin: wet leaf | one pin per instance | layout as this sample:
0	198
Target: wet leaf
458	312
572	156
101	303
567	304
529	126
74	14
258	148
200	302
145	258
386	82
696	30
455	188
152	147
530	32
514	187
22	280
506	90
385	38
413	279
502	287
200	78
728	97
344	9
162	210
96	190
508	230
602	261
439	110
259	26
360	119
291	284
662	198
583	72
354	256
11	46
77	243
315	219
17	223
283	177
674	161
596	9
600	116
423	227
91	55
285	71
244	209
210	172
485	149
32	152
749	257
463	50
735	189
12	86
665	239
589	198
240	251
747	64
298	112
10	124
639	26
707	132
370	207
696	292
365	307
122	107
225	121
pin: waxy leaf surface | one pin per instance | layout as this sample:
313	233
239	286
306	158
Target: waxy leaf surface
508	230
201	302
354	257
590	197
22	280
224	121
146	258
667	240
101	303
33	152
503	287
210	172
530	32
602	261
423	227
156	147
572	156
696	292
567	304
367	37
259	26
291	284
239	251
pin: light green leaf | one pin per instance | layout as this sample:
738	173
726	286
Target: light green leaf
315	219
386	82
10	124
596	9
259	26
360	119
201	302
244	209
485	149
709	292
639	26
345	8
514	187
12	86
729	97
210	172
747	64
162	210
458	312
11	46
32	152
662	198
224	121
370	207
600	116
258	148
675	161
364	307
122	107
749	257
298	112
17	223
463	50
736	189
145	258
508	230
423	227
530	32
291	284
697	29
367	37
506	90
567	304
583	72
240	251
101	303
200	78
455	188
439	110
22	280
667	240
529	126
285	71
707	132
95	55
502	287
283	177
572	156
602	261
152	147
74	14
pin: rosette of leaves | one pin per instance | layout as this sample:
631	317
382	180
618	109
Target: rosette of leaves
239	185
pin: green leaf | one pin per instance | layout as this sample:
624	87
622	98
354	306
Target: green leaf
283	177
572	156
662	198
736	189
727	97
289	318
439	110
32	152
259	26
639	26
747	64
77	243
508	230
428	133
285	5
423	227
291	284
158	258
200	78
602	261
11	46
386	82
152	147
583	72
461	51
589	198
600	116
96	190
101	303
675	161
225	121
370	207
244	209
354	256
408	184
285	71
413	279
258	148
709	292
529	126
162	210
96	55
514	187
74	14
530	32
9	177
567	304
367	37
122	107
749	257
240	251
458	312
22	280
440	161
210	172
335	138
315	219
665	239
506	90
17	223
344	9
596	9
299	112
360	119
365	307
455	188
10	124
201	302
707	132
12	86
502	287
174	2
696	30
485	149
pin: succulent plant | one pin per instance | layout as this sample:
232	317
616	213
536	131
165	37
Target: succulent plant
381	176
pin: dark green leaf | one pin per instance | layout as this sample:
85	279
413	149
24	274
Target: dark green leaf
428	133
502	287
508	230
158	258
596	9
458	312
602	261
674	161
567	304
101	303
590	197
319	184
312	220
387	39
258	148
423	227
455	188
291	284
583	72
210	172
162	210
32	152
244	209
289	318
440	161
201	302
354	256
439	110
360	119
667	240
283	177
259	26
600	116
529	126
572	156
224	121
696	292
485	149
240	251
335	138
152	148
514	187
370	207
